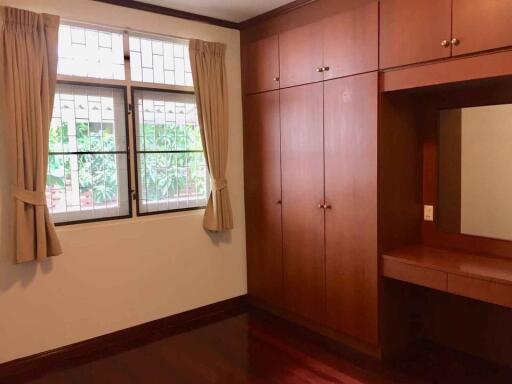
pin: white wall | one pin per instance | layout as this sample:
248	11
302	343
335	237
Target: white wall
118	274
486	180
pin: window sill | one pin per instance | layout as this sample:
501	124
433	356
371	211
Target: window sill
157	216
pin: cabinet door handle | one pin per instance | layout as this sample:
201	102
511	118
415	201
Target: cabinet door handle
320	206
325	69
276	78
327	206
320	69
455	41
445	43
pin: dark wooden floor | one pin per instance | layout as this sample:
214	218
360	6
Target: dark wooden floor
254	347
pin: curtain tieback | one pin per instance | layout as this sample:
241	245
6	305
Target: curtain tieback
219	184
29	197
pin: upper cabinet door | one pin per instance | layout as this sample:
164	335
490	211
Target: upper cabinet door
300	55
351	42
303	196
262	65
262	161
479	25
351	123
415	31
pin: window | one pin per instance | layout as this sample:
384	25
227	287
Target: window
88	156
89	52
158	61
171	168
89	163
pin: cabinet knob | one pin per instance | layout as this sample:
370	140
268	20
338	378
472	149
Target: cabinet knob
321	206
455	41
279	202
327	206
276	78
445	43
320	69
325	69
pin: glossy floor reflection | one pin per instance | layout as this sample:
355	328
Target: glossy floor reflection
255	347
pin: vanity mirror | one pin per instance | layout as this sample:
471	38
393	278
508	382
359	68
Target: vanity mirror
475	171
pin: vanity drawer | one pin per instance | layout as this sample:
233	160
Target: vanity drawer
488	291
416	275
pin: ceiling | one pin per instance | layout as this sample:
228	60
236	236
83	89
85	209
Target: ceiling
232	10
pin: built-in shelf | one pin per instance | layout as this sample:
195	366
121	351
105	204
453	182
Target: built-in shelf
484	278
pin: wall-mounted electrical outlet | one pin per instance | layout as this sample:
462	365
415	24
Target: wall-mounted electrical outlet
428	212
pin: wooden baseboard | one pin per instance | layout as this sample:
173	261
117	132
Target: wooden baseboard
118	341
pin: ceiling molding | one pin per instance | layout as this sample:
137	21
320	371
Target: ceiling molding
274	12
207	19
172	12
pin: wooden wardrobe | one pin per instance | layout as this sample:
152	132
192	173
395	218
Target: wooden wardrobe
335	109
310	111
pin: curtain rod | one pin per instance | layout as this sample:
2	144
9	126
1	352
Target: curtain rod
121	29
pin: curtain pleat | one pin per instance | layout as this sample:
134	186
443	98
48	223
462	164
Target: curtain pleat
28	60
208	62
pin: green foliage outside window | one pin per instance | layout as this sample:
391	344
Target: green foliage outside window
168	175
163	175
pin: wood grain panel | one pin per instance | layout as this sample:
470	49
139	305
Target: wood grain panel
488	268
303	190
351	106
469	325
261	65
481	25
400	205
451	71
300	55
315	10
412	31
351	42
495	293
262	160
450	174
416	275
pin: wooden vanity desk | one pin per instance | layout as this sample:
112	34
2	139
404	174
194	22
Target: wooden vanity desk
485	278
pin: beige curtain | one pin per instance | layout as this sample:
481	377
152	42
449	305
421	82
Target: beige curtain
208	61
28	68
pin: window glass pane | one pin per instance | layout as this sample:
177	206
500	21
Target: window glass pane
89	52
166	122
171	168
87	164
172	181
160	61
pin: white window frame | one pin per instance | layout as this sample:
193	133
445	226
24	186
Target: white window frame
129	86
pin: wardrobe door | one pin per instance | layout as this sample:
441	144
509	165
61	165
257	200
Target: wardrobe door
300	55
351	106
303	196
480	25
351	42
262	161
413	31
261	69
